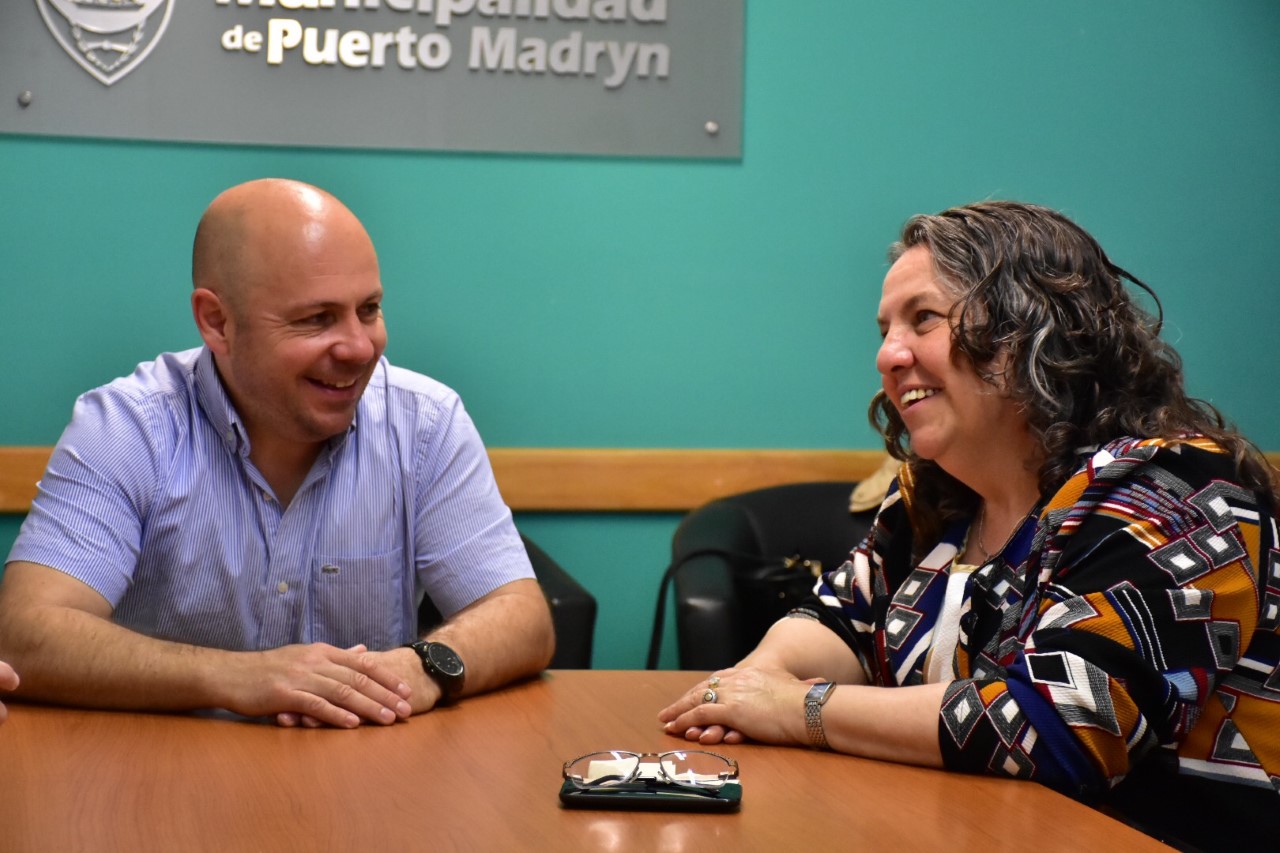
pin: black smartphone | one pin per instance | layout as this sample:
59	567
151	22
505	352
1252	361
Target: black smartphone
653	796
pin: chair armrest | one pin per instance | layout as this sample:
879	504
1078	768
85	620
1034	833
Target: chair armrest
573	610
708	612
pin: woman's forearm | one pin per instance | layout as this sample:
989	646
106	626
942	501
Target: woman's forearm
807	649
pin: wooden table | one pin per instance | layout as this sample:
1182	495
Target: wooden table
482	775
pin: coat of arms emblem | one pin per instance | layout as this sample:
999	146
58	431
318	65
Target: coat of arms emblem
109	38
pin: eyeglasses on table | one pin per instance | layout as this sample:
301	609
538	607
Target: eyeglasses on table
694	770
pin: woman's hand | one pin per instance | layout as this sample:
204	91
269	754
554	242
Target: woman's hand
766	705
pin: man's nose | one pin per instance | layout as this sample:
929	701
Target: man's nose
355	342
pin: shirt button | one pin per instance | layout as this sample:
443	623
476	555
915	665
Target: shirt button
282	586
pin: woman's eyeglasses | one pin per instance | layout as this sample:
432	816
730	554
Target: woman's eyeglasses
695	770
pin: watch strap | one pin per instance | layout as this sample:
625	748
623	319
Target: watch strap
813	701
450	683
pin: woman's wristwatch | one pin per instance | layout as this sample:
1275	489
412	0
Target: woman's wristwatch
813	701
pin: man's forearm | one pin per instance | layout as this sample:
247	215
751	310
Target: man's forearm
503	636
58	633
76	658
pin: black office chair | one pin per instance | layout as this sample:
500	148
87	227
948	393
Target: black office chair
573	610
720	614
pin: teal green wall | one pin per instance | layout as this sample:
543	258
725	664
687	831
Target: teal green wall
657	303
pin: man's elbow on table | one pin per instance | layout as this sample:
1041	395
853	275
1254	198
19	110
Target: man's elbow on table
502	637
539	635
35	602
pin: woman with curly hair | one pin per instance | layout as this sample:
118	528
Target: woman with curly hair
1074	579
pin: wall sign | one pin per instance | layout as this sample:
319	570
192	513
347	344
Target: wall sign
108	39
630	77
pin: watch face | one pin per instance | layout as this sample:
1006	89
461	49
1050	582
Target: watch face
444	659
819	692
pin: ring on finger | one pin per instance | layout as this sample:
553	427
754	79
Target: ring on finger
710	695
713	682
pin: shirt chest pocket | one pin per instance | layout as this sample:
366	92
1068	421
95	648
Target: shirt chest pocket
359	600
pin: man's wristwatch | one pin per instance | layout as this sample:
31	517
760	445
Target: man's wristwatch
443	665
813	701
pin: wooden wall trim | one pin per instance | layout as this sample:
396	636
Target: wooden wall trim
578	479
585	479
609	480
20	469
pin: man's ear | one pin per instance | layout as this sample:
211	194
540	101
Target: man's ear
211	318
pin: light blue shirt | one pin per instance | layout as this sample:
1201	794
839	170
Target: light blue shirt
150	498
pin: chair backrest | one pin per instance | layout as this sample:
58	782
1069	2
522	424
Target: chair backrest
722	607
808	519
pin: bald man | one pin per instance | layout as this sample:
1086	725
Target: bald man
250	525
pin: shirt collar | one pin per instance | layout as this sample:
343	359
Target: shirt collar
211	395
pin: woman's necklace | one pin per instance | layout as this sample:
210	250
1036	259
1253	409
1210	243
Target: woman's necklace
977	534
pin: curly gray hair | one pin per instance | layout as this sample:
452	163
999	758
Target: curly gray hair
1038	296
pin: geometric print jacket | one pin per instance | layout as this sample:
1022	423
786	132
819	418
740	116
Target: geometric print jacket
1135	614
